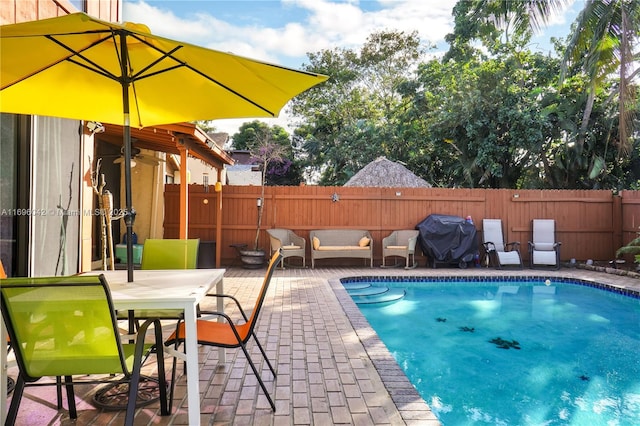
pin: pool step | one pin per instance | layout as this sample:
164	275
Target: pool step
387	297
367	291
356	286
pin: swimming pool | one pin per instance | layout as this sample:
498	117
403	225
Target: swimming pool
514	353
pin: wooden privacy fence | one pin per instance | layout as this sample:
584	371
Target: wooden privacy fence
590	224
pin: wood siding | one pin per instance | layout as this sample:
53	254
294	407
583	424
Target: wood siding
590	224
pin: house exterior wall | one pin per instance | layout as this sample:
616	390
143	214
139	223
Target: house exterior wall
63	183
243	174
15	11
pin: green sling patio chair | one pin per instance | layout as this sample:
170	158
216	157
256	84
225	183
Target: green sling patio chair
66	327
169	254
228	334
10	382
161	254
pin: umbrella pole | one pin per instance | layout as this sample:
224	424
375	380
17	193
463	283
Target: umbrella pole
130	214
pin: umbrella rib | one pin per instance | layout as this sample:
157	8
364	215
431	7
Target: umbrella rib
186	65
98	69
213	80
139	76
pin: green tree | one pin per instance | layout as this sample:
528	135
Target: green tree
585	126
283	170
501	122
484	123
352	120
603	40
495	22
208	126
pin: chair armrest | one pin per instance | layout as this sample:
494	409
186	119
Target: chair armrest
298	240
513	245
230	297
276	243
489	246
412	243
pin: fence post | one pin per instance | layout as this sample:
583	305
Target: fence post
616	214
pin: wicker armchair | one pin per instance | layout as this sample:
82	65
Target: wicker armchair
401	244
291	244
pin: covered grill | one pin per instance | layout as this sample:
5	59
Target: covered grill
448	239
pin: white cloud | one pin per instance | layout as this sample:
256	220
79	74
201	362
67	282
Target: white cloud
164	22
314	25
321	24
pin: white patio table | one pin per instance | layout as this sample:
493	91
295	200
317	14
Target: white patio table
166	289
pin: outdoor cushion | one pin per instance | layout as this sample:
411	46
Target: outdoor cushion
316	243
364	241
544	247
336	248
290	247
544	257
509	257
397	247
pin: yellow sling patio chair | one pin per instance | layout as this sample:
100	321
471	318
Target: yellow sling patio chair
66	327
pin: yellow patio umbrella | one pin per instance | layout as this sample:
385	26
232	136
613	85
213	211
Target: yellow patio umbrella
80	67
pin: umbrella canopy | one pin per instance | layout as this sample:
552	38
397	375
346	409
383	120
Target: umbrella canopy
75	66
80	67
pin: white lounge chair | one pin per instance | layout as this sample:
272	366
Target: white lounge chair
500	254
544	250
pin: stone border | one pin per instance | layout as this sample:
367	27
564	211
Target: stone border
412	408
608	270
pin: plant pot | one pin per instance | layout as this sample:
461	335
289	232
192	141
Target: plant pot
252	259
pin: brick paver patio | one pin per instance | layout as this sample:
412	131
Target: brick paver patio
332	368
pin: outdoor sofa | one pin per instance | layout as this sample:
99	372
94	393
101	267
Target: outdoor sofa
340	243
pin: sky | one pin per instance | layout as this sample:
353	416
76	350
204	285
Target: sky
284	31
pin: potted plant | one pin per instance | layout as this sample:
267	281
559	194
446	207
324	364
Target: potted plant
263	153
632	248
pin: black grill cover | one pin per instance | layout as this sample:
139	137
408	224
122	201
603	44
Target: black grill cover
447	239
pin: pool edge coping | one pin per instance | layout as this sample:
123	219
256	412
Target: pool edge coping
411	406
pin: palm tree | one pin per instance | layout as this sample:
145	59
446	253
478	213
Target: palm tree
521	14
603	40
604	36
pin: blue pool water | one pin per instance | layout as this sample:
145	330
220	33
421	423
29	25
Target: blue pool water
509	353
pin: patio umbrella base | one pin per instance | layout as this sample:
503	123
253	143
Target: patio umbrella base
252	259
114	396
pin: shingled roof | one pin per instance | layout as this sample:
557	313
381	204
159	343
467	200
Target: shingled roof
383	173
